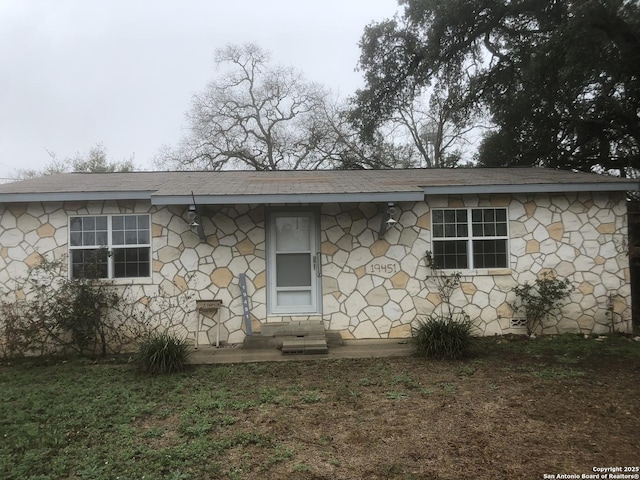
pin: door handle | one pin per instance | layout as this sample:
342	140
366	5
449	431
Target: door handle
316	264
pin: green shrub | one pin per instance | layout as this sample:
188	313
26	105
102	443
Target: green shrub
540	299
442	337
163	353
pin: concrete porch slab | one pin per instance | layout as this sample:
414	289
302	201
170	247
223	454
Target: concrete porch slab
351	349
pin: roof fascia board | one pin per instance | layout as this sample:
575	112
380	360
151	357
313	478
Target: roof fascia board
532	188
73	196
287	198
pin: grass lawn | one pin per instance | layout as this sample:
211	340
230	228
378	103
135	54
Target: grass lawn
516	410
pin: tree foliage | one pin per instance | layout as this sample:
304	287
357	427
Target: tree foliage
560	79
94	161
430	128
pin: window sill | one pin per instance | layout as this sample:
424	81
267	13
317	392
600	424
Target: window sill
127	281
480	272
132	281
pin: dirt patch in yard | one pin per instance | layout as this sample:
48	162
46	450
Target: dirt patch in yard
484	419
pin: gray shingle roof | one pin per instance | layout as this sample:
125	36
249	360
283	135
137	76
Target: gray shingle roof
318	185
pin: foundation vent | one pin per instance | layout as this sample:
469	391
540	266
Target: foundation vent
518	322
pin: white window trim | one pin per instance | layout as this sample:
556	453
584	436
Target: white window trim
470	238
109	247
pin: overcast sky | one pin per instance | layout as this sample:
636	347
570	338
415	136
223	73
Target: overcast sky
74	73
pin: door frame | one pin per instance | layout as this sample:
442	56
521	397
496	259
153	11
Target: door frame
316	270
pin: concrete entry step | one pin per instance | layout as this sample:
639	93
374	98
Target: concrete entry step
295	336
309	344
295	328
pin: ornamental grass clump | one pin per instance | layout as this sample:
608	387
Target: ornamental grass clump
162	353
446	333
442	338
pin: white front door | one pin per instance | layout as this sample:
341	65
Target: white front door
293	266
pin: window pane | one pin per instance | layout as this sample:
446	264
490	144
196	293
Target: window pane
101	223
450	216
88	223
119	270
489	215
101	238
449	230
291	299
489	230
76	224
130	237
140	264
118	238
130	230
76	239
143	222
89	238
486	223
84	231
453	223
144	269
293	270
143	236
130	222
117	223
292	234
89	263
450	254
490	253
131	262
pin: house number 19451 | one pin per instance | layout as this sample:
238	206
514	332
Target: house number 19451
383	267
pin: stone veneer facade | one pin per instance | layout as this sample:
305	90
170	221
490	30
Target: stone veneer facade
371	287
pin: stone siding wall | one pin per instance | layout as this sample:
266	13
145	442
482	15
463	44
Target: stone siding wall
372	287
375	288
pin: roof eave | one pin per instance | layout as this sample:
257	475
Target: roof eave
532	188
74	196
308	198
317	198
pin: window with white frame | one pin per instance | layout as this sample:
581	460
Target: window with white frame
470	238
110	246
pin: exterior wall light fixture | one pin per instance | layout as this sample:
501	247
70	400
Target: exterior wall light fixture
195	222
388	220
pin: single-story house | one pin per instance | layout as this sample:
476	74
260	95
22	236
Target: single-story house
347	247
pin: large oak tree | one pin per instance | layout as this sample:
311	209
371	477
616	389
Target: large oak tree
559	78
260	116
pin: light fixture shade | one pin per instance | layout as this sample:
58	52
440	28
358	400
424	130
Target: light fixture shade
392	221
